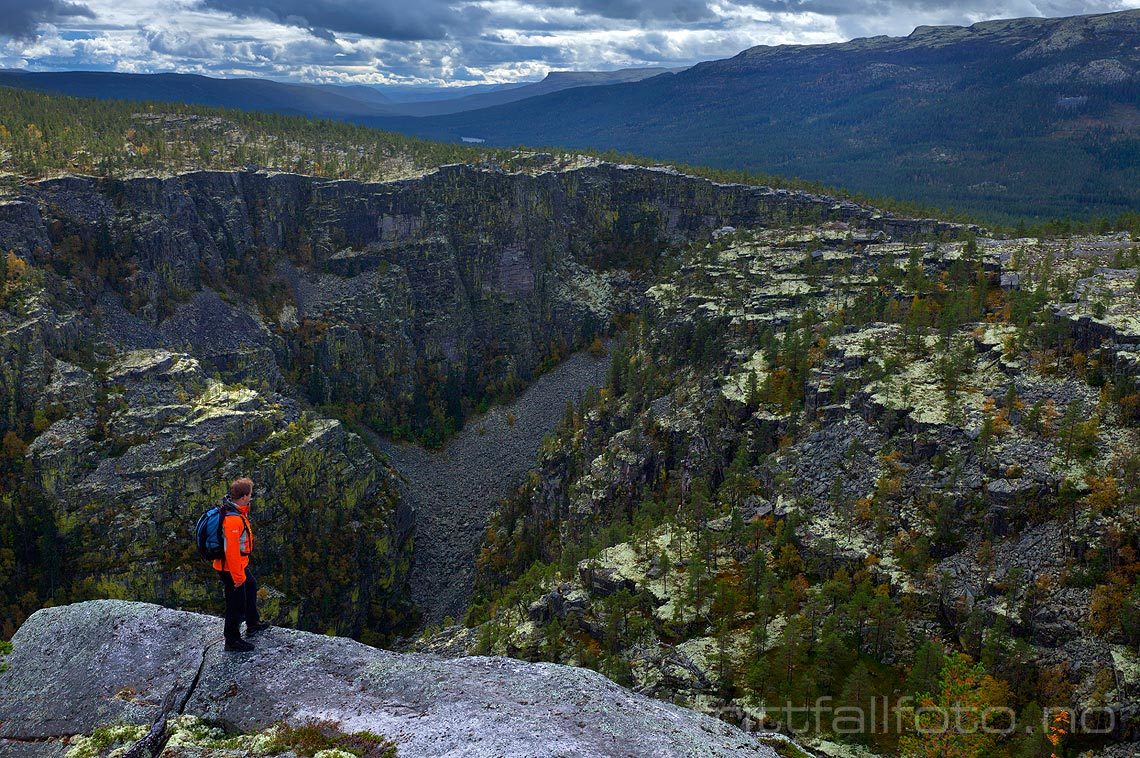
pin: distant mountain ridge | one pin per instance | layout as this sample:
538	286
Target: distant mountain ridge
247	94
348	102
1006	119
1021	117
555	81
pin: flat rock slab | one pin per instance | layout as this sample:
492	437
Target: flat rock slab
77	667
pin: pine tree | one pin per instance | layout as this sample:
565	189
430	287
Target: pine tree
857	694
1130	617
1068	432
923	676
964	685
752	388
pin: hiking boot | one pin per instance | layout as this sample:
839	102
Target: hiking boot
260	626
239	646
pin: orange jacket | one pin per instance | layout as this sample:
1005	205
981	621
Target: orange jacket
238	535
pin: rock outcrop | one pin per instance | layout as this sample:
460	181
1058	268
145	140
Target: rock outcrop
79	667
972	472
162	334
465	268
150	443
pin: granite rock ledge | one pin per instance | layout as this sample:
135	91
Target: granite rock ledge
77	667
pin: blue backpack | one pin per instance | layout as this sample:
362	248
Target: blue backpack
208	531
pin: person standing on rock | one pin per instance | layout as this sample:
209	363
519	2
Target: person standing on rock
238	581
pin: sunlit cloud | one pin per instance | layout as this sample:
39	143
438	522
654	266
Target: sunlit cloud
453	42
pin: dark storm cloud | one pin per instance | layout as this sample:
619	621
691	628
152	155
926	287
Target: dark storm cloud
19	18
435	19
961	9
489	51
439	41
686	11
385	19
859	18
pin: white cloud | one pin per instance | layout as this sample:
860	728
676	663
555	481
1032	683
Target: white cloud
459	41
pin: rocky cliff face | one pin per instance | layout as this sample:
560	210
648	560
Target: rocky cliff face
162	335
836	452
461	268
820	454
152	439
360	293
122	660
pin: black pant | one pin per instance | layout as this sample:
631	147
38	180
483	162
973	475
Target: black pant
241	604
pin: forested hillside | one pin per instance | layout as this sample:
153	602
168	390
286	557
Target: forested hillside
163	332
827	467
1026	118
45	135
840	453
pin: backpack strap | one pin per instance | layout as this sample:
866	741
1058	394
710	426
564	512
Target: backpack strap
227	508
248	528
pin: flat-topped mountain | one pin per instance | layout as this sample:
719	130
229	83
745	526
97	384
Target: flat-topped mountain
1029	117
555	81
1033	116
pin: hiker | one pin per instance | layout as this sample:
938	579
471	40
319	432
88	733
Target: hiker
233	569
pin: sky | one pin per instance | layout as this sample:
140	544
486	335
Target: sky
453	42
